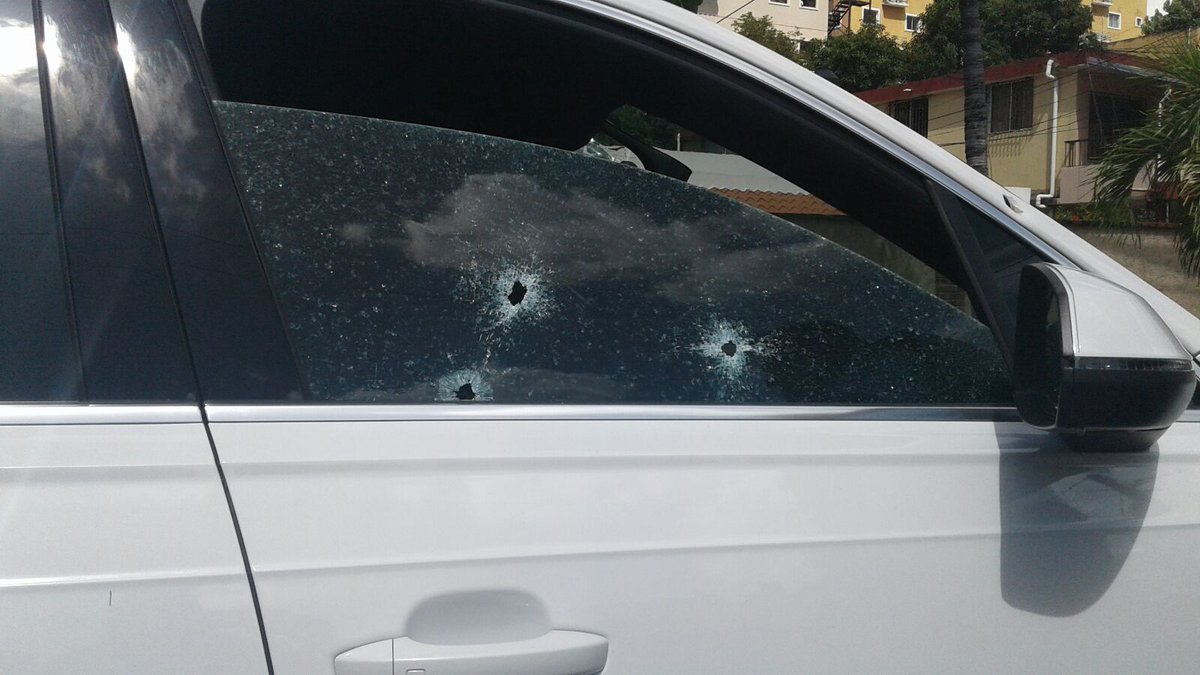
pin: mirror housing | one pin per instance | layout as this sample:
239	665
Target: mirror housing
1094	362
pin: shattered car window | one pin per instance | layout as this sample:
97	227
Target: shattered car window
417	264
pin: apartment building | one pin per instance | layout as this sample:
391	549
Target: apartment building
803	19
899	18
1114	20
1051	118
1111	19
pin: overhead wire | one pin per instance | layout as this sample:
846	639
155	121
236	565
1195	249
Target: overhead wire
744	6
1104	55
1037	127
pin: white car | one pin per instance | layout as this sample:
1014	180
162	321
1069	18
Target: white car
323	352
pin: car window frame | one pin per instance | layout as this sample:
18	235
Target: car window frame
728	66
123	324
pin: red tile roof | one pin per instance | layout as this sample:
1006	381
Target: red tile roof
1001	73
780	203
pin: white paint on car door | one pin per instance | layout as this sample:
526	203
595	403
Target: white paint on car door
117	550
717	545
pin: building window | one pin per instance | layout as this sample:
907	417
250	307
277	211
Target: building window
912	23
912	114
1011	106
1114	21
808	4
1138	22
778	2
870	16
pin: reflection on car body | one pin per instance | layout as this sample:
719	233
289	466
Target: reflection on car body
327	350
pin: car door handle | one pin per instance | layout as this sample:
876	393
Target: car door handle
558	652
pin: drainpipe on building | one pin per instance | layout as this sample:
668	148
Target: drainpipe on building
1037	201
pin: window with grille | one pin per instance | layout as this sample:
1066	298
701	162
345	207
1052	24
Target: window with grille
913	114
1011	106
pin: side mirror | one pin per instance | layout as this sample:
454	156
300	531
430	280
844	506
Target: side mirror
1094	362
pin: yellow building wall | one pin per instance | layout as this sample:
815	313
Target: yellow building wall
892	18
1017	158
1128	10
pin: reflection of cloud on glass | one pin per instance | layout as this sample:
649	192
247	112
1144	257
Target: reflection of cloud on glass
494	218
19	86
81	75
17	54
128	52
51	47
157	77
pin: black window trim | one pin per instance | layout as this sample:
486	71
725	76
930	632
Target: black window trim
739	74
107	322
986	291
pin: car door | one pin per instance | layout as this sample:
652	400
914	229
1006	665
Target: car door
505	408
118	551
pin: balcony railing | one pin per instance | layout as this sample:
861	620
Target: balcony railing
1077	180
896	3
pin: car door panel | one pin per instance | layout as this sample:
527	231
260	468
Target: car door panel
118	550
119	553
702	539
712	545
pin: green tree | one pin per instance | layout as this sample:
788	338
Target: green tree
1011	30
762	30
1167	144
936	48
864	59
1178	15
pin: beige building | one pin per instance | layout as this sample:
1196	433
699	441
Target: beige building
899	18
803	19
1114	20
1111	19
1047	126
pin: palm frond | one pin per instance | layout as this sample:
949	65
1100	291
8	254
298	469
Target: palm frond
1166	146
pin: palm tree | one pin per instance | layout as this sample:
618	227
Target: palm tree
1167	144
975	103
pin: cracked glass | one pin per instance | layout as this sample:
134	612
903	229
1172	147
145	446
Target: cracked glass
419	264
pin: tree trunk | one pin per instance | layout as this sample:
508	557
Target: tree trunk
975	124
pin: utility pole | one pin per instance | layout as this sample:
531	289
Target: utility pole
975	122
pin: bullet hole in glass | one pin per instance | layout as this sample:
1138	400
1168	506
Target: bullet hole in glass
518	293
729	348
465	392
